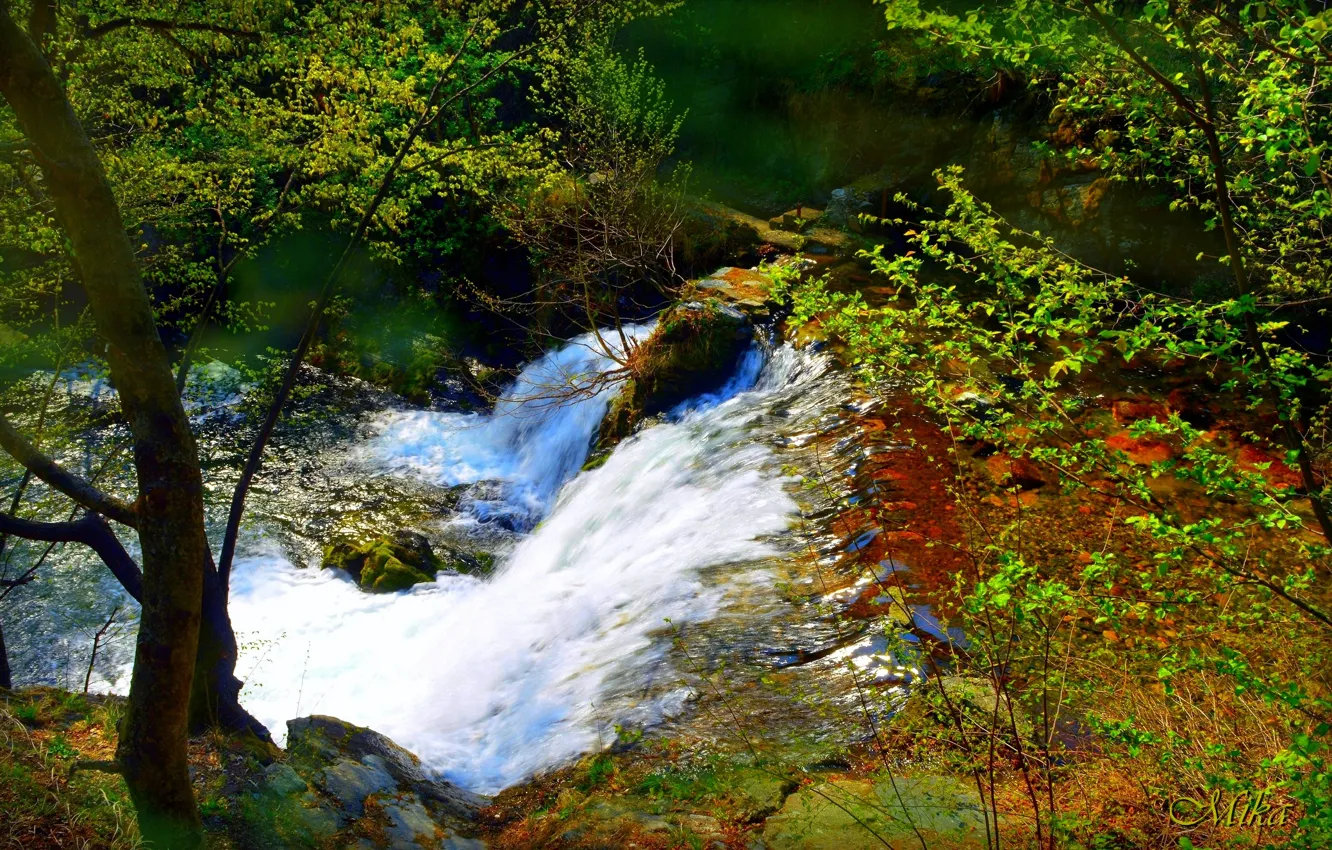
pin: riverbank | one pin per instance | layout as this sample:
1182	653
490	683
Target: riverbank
810	709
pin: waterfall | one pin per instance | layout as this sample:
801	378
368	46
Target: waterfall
490	680
535	439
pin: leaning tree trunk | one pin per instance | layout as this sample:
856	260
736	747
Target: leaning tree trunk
170	516
6	681
215	696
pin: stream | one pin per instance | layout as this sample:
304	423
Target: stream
492	679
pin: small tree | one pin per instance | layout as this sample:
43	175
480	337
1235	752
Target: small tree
382	142
602	228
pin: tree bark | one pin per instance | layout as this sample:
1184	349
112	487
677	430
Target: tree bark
215	695
42	20
6	681
152	749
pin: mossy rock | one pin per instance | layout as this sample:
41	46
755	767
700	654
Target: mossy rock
973	697
385	573
398	561
755	794
853	814
692	351
596	460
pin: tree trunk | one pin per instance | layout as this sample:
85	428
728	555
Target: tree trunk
6	681
170	517
215	696
42	20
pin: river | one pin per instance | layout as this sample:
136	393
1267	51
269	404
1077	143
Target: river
491	679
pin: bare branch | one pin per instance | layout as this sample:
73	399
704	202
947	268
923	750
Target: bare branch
62	480
90	530
97	644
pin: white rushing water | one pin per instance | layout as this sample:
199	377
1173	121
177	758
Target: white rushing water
535	440
491	680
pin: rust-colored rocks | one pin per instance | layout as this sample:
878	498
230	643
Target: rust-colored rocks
1141	450
746	290
1009	471
1127	411
1271	466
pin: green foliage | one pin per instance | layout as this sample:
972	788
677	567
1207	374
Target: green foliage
997	333
683	783
603	225
247	122
27	712
1135	86
599	771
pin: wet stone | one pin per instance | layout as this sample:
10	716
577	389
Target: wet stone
410	825
759	794
319	820
282	780
350	782
858	815
320	740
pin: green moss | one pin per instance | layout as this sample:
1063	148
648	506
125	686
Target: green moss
379	566
692	351
596	461
485	563
343	556
596	772
678	784
392	563
384	573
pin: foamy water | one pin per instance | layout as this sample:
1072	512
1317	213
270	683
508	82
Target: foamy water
534	441
492	680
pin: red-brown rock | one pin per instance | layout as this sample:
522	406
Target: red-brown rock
1142	450
1127	411
1010	471
1279	474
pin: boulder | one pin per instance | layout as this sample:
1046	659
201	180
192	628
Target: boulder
1143	450
1279	474
347	786
973	695
693	350
1009	471
756	794
1126	411
1074	202
747	291
282	780
845	205
321	740
796	220
398	561
852	814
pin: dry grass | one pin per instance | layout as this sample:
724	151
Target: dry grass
42	732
